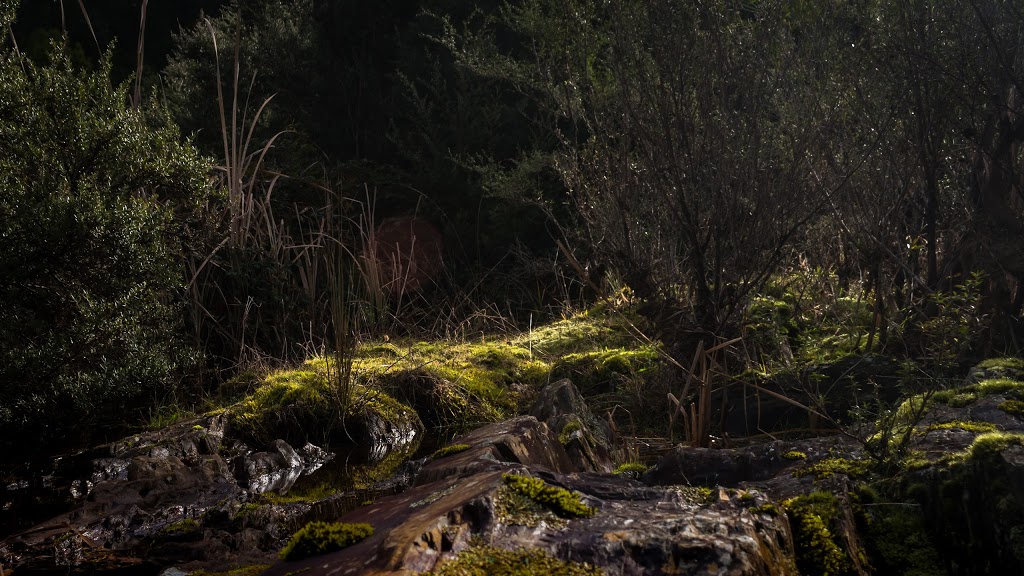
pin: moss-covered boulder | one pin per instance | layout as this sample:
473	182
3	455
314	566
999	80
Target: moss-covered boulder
305	404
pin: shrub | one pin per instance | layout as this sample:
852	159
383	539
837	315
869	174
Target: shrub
318	538
87	245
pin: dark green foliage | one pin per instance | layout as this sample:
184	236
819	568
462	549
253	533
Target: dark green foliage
318	538
87	244
558	500
898	542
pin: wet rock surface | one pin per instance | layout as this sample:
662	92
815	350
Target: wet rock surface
173	496
462	499
187	497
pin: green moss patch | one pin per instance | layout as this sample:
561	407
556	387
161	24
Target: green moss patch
991	444
768	509
599	328
1007	363
318	538
632	469
1014	407
814	519
999	386
597	367
795	455
449	450
968	426
561	502
304	404
482	560
181	527
571	427
854	468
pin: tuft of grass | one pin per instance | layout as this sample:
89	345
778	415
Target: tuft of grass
318	538
560	501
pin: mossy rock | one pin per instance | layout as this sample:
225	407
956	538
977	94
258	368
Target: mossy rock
1014	407
560	501
318	538
303	405
814	519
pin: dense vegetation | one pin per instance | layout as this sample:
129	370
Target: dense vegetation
819	178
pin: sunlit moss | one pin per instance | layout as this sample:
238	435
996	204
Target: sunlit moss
318	538
1002	363
449	450
632	469
795	455
560	501
568	430
767	509
992	443
305	397
999	386
975	427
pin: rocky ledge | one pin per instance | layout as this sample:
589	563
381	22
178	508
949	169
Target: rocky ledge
535	495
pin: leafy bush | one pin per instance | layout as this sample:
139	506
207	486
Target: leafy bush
87	245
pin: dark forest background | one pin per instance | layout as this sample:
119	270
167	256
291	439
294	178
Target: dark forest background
180	210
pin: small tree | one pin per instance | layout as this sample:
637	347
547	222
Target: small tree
691	133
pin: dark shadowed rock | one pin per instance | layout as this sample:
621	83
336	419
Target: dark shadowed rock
637	529
521	440
587	439
173	494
